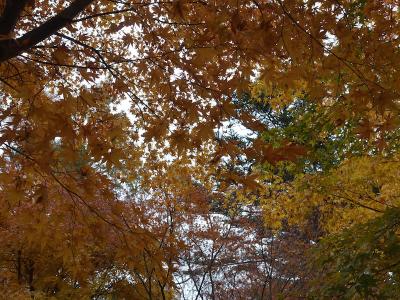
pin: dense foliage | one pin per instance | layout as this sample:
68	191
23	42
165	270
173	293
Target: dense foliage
199	149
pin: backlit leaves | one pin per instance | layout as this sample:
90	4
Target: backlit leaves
83	185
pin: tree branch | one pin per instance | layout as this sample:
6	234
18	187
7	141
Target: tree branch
10	48
11	13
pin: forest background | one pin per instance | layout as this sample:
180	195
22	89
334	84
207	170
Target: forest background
258	157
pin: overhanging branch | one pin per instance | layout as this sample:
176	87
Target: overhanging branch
12	47
10	15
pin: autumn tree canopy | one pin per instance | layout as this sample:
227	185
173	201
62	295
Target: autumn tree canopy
143	143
